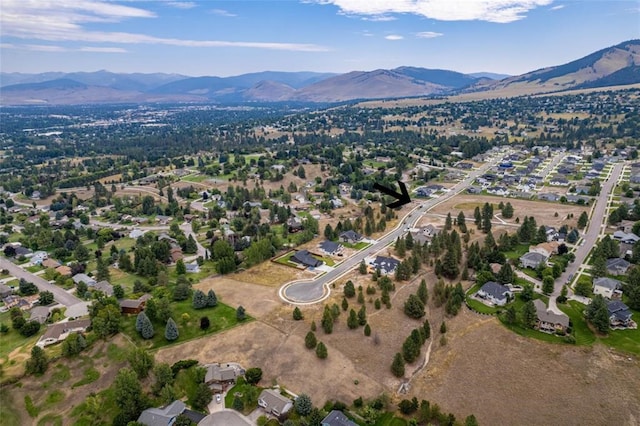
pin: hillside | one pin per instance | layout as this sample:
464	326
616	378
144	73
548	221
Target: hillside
617	65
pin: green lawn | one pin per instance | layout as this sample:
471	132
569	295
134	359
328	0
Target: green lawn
518	251
357	246
476	305
581	331
195	178
387	419
221	317
248	393
13	339
34	268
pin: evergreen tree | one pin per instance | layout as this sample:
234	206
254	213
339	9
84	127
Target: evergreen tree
410	350
349	289
367	330
461	222
582	220
212	299
632	289
38	362
507	211
103	270
352	321
362	268
171	330
310	340
413	307
597	314
547	284
397	366
327	320
240	313
199	300
401	249
297	315
345	304
510	314
505	274
529	316
362	315
181	269
321	350
426	328
478	217
423	293
599	267
303	405
448	222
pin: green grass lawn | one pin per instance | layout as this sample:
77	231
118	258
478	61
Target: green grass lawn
34	268
387	419
13	339
195	178
248	393
581	331
476	305
221	317
518	251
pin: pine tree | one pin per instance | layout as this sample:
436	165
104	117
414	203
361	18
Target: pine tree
448	223
327	320
199	300
171	330
103	270
181	269
461	222
240	313
297	315
212	299
367	330
310	340
597	314
547	285
510	315
423	293
349	289
362	315
529	314
321	351
426	327
352	321
397	366
413	307
362	268
443	328
146	329
505	274
582	220
345	304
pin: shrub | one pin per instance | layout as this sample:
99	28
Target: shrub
171	330
204	323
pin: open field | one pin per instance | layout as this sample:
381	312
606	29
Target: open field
544	212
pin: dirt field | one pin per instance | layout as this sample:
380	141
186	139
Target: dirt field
506	379
544	212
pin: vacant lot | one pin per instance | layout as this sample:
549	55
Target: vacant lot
506	379
544	212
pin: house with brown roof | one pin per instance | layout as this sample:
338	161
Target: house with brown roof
58	332
64	270
546	249
176	254
50	263
131	306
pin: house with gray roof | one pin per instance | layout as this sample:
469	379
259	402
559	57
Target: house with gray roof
549	321
274	403
626	237
304	257
337	418
617	266
495	293
387	265
105	287
84	278
350	236
5	291
330	247
619	314
219	376
61	330
607	287
532	260
165	416
40	314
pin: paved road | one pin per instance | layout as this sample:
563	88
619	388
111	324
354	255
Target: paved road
312	291
59	294
594	228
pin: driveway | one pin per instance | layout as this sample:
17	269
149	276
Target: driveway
225	418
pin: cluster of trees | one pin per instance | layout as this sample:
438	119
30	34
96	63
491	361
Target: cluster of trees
19	323
410	349
426	413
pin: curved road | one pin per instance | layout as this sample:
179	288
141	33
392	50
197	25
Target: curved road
312	291
595	227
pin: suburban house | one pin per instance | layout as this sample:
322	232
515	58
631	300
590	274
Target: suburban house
626	226
628	238
619	314
532	259
176	254
548	321
58	332
192	268
548	197
337	418
272	402
5	291
387	265
64	270
303	257
552	233
545	249
129	306
104	287
50	263
617	266
39	257
559	181
607	287
165	416
350	236
84	278
330	248
136	233
495	293
40	314
219	377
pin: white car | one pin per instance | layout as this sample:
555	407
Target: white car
218	398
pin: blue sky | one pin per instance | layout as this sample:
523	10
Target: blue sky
233	37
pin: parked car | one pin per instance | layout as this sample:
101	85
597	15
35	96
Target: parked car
218	398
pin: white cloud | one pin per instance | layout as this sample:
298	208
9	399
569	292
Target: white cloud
558	7
182	4
379	18
394	37
63	21
102	49
45	48
499	11
222	12
428	34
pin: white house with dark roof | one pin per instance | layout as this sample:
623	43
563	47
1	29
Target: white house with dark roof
330	247
607	287
84	278
496	294
386	265
350	236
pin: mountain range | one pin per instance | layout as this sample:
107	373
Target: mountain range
616	65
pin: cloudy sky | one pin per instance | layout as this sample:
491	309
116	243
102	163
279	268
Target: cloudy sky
212	37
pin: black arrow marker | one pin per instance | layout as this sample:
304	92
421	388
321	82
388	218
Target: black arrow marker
402	198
